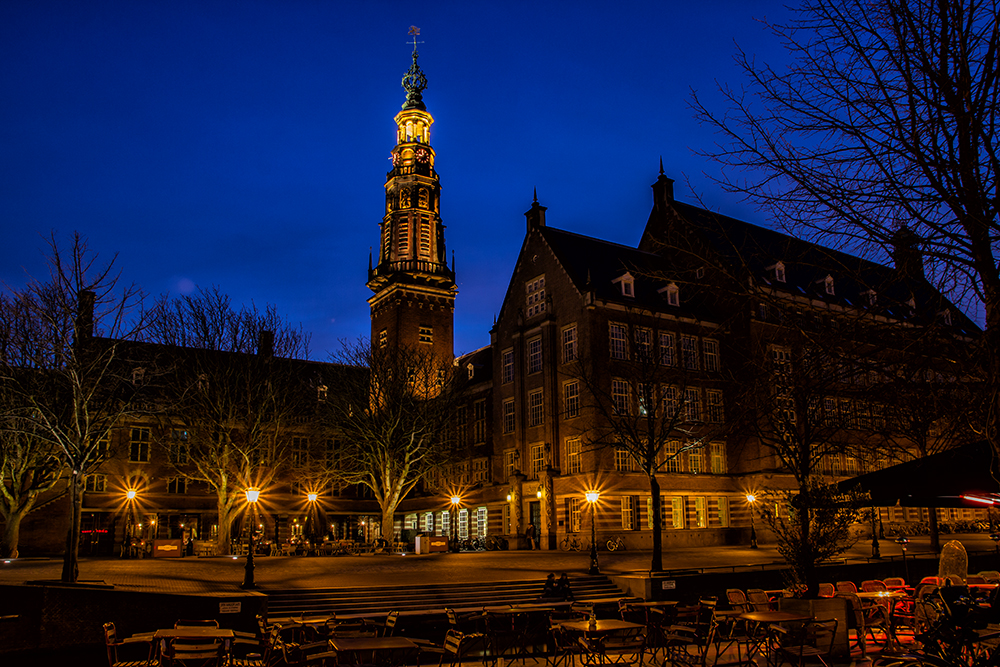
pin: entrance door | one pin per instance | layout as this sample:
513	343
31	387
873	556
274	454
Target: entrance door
535	517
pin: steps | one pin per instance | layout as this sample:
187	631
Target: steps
379	601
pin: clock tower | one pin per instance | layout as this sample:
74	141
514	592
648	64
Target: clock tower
414	290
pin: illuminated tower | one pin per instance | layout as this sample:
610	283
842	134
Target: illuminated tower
414	301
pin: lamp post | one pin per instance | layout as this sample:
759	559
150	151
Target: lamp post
129	536
876	551
592	497
248	582
902	542
452	520
751	499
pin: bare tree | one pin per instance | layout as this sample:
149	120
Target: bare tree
68	364
232	395
394	409
650	405
883	124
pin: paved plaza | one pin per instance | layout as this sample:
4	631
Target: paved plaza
216	575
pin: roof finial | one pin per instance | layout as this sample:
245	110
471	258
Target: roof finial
414	80
535	193
661	161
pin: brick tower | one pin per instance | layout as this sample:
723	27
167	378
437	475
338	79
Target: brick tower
414	290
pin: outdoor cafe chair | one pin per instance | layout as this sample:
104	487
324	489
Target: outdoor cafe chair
812	639
630	613
144	643
827	590
847	587
758	599
688	644
865	620
894	582
196	623
873	586
618	647
991	576
181	652
456	646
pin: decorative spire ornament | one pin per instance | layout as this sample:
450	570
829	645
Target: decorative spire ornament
414	81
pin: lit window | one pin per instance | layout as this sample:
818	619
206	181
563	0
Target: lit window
677	512
723	511
383	338
575	515
426	335
718	453
535	355
628	513
321	392
700	513
671	457
618	341
696	458
536	410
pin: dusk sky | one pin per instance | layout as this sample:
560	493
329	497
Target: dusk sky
245	144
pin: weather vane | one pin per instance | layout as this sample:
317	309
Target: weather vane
415	32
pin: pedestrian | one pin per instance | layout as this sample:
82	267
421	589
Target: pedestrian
549	589
529	535
562	589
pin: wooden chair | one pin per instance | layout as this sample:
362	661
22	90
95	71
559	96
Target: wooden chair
975	579
865	620
758	599
893	583
629	613
111	642
827	591
180	652
812	640
457	645
621	647
991	576
737	600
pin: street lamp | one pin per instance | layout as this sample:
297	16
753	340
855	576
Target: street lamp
592	497
876	551
248	582
751	499
128	550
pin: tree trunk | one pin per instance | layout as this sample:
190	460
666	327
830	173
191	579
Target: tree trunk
387	524
11	533
224	535
932	524
656	563
71	559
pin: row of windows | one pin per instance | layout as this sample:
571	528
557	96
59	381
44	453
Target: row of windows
178	452
535	361
673	457
663	349
98	483
685	403
677	512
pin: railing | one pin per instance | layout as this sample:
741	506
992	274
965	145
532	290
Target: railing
411	265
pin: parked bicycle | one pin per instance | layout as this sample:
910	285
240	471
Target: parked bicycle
495	543
571	543
616	543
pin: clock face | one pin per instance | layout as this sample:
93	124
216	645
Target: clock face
395	159
423	155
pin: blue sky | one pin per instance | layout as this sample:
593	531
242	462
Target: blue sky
245	144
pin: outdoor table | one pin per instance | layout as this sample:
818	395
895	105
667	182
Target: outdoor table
380	649
602	626
762	640
888	600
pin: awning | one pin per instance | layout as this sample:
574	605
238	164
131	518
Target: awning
965	476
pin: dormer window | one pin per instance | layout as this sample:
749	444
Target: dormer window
472	370
777	272
872	297
828	285
138	375
321	393
627	284
673	294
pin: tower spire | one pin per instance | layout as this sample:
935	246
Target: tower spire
414	81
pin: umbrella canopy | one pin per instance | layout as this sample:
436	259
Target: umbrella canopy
965	476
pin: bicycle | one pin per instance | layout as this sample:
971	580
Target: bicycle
496	543
570	543
616	543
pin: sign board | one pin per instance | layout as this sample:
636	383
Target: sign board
168	548
230	607
669	584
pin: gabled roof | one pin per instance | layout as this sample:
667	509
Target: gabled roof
807	265
597	266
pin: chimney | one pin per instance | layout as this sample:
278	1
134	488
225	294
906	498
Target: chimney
85	314
536	214
265	346
906	254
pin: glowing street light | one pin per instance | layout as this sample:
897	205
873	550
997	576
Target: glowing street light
248	583
130	494
751	500
312	496
592	497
